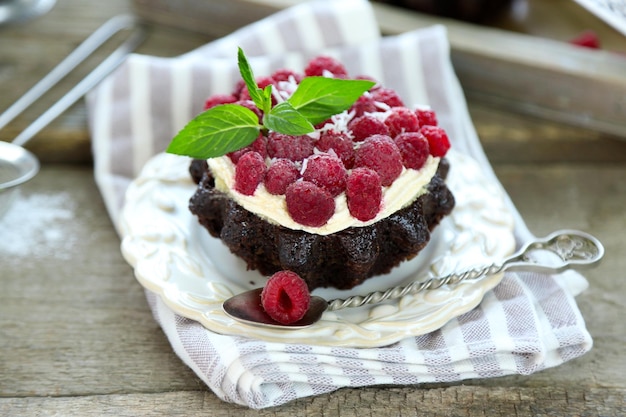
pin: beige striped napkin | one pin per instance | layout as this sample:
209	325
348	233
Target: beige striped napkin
527	323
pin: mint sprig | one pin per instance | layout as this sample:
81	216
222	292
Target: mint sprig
228	127
319	98
262	98
218	131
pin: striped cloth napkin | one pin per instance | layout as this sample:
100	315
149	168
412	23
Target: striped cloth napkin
529	322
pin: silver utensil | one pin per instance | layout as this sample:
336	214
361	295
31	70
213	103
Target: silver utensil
18	11
17	165
85	49
561	250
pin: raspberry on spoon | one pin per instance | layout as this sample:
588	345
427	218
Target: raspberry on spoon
285	297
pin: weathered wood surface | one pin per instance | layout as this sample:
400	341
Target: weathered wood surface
543	76
76	334
78	337
28	52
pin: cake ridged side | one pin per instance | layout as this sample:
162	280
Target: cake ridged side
341	260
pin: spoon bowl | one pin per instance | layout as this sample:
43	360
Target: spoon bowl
17	165
246	308
18	11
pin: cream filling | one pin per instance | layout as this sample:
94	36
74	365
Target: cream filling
405	190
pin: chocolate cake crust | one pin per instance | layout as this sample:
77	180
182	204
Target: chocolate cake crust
341	260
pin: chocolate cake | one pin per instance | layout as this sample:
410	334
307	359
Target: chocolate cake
329	177
340	260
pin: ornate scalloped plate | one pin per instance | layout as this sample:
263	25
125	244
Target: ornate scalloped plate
175	257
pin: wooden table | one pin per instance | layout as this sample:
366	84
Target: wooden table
76	334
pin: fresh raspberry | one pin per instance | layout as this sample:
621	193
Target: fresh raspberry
364	193
249	104
259	145
317	66
217	99
321	125
295	148
340	143
368	78
326	171
413	148
249	172
426	117
387	96
240	86
587	39
402	120
285	74
309	204
285	297
279	175
380	153
364	104
366	126
437	140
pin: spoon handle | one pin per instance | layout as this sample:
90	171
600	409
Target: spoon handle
561	250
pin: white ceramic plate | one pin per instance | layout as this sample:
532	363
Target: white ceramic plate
194	273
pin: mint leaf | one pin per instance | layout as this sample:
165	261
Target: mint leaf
318	98
256	94
285	119
267	97
216	132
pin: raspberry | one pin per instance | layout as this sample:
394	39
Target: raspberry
368	78
309	204
413	148
437	140
426	117
587	39
366	126
388	97
249	172
259	145
380	153
239	87
364	104
402	120
285	297
326	171
340	143
285	74
216	99
295	148
364	193
322	124
320	64
280	174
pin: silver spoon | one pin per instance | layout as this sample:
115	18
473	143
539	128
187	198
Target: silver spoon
19	11
573	249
